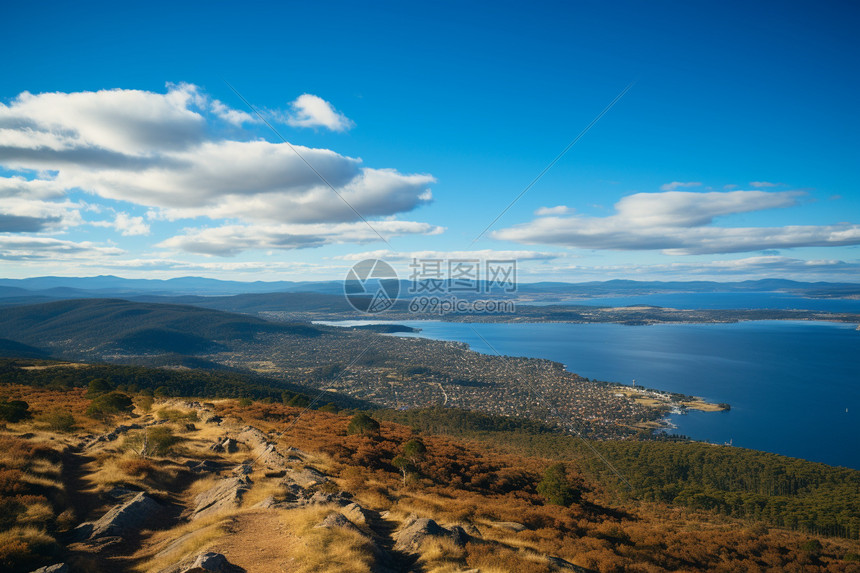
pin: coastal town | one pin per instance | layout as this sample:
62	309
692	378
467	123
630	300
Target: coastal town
408	372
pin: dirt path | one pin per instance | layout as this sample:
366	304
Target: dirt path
258	541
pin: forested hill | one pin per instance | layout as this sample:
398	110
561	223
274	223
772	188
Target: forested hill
103	324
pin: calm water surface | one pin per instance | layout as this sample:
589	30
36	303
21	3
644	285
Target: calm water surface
793	386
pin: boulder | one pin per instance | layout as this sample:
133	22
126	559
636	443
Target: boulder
211	562
336	520
225	495
121	519
415	530
208	562
356	514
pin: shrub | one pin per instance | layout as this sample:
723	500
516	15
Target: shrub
58	421
144	402
111	403
157	441
555	486
176	415
98	386
14	410
363	425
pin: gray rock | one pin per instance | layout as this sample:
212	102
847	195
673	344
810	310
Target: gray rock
210	562
121	519
335	520
356	514
511	525
55	568
305	477
415	530
204	466
264	450
225	495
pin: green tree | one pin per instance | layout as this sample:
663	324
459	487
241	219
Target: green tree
363	425
108	404
555	486
414	450
98	386
405	466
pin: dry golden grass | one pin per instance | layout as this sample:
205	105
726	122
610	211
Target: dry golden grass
331	550
261	489
198	537
22	548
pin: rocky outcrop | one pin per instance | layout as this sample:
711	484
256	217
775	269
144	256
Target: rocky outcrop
121	520
208	562
211	563
224	496
305	477
264	450
356	514
222	445
416	529
335	520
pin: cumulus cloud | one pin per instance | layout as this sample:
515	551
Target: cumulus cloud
679	223
230	240
558	210
126	224
309	110
177	154
679	185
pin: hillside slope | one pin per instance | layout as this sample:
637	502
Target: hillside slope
98	325
267	487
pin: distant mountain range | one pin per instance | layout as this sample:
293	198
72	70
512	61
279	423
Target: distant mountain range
45	289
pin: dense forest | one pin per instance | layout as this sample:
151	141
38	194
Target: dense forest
778	490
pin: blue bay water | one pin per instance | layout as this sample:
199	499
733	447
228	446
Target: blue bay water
792	385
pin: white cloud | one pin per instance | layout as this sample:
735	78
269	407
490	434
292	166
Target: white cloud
558	210
679	185
309	110
169	152
762	184
23	248
679	223
125	224
483	254
230	240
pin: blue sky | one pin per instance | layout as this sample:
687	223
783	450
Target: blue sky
733	155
